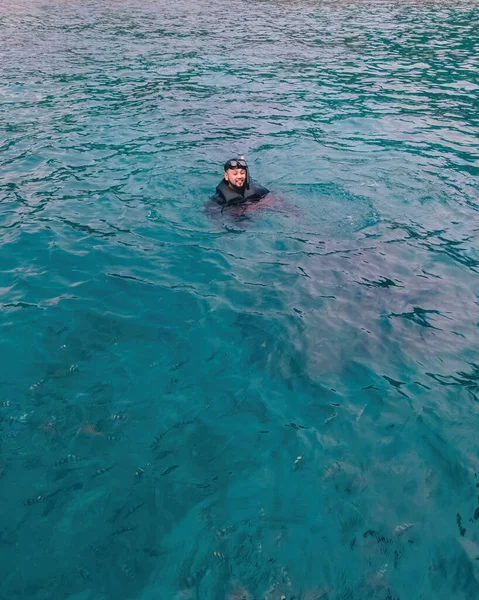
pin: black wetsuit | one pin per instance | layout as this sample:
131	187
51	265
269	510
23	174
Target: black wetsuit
232	196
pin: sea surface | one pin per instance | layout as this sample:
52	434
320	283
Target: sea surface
274	404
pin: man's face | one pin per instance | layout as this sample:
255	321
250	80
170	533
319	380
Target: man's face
236	177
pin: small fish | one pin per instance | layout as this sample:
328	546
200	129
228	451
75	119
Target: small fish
116	514
169	470
113	438
380	573
239	593
84	574
124	530
36	500
39	499
127	570
396	558
360	412
75	486
63	472
330	472
20	419
221	533
119	417
91	430
330	418
36	385
50	505
219	555
178	366
48	427
400	529
377	536
298	463
462	529
67	459
295	427
139	473
32	462
97	550
163	454
5	404
59	373
158	439
133	509
103	470
53	494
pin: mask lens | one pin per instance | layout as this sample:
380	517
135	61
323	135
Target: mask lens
237	164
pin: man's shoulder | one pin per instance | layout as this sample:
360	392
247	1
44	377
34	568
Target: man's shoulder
257	191
219	195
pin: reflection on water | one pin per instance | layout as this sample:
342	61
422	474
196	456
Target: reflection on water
278	404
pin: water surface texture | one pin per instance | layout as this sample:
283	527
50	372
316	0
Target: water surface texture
275	405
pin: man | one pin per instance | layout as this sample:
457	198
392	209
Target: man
236	188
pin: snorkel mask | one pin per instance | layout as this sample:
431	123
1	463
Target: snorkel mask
236	163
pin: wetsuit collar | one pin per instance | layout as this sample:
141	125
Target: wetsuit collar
230	194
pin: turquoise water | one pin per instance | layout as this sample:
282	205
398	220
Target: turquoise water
201	405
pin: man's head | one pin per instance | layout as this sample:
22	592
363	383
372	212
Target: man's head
236	172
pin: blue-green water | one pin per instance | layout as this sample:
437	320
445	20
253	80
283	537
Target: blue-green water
288	401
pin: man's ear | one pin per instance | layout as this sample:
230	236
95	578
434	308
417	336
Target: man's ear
226	176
